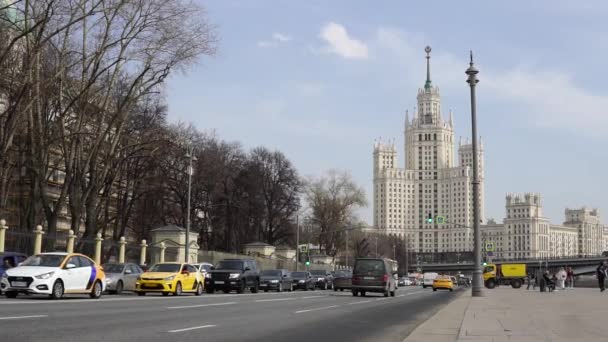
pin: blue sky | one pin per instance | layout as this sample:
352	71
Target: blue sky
320	80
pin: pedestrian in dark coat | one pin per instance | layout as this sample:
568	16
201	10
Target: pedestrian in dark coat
601	275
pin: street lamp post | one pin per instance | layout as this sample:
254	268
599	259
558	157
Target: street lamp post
297	242
191	158
477	288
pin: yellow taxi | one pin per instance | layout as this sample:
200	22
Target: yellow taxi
443	282
170	277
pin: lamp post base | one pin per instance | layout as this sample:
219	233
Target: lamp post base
477	288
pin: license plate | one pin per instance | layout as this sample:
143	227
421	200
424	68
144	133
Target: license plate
19	284
219	282
263	285
369	278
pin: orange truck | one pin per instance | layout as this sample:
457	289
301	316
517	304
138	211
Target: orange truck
504	274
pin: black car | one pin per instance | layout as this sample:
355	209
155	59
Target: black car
323	279
278	280
233	274
342	280
303	281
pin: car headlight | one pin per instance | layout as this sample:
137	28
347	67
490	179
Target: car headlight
4	276
320	279
274	281
170	277
301	281
45	275
208	276
234	275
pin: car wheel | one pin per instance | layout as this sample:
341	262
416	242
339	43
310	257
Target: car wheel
335	289
341	289
96	291
199	289
434	289
242	286
306	288
385	293
141	294
165	294
178	289
256	287
226	291
313	287
451	290
119	287
362	293
57	290
280	287
355	293
11	294
209	289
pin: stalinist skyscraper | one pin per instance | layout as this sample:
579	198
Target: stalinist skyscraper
431	181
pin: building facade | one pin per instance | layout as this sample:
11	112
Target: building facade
526	234
430	183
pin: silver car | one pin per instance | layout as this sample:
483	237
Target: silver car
121	277
204	268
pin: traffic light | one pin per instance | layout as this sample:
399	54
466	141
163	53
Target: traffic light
430	218
485	263
307	262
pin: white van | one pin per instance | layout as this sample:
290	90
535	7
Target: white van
427	279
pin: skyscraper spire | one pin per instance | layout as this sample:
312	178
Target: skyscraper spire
427	84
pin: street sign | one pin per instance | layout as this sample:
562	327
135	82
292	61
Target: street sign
440	219
303	248
490	254
489	246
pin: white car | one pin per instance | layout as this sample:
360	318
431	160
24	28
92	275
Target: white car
55	274
204	268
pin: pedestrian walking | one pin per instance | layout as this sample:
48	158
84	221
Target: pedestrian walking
601	275
561	278
570	278
531	281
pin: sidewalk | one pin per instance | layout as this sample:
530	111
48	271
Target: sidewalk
507	314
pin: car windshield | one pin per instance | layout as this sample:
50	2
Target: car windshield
46	260
113	268
230	265
369	267
270	273
299	275
173	268
317	272
206	267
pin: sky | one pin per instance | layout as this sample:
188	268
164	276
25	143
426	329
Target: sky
321	80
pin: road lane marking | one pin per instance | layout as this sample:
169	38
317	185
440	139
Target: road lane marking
199	305
273	300
309	297
360	302
193	328
316	309
20	317
411	293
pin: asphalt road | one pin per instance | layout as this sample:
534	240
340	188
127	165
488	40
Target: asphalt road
297	316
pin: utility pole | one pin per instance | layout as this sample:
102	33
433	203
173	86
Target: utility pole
477	288
190	157
297	242
347	248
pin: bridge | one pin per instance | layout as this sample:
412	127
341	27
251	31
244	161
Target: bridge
582	265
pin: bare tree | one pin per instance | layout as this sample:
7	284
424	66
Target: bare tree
332	200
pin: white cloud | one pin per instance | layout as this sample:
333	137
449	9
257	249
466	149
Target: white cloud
340	43
276	40
280	37
544	98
